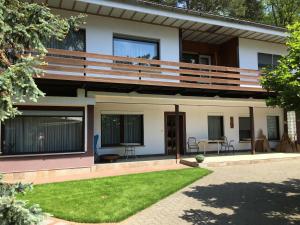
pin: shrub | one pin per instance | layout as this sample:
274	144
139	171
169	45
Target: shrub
199	158
14	211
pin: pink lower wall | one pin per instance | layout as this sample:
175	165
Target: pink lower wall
35	163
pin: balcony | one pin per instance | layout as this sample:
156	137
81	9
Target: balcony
85	67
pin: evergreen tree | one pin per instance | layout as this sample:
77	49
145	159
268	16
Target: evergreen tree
25	26
14	211
282	12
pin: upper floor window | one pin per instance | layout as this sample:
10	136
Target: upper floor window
135	47
74	41
268	61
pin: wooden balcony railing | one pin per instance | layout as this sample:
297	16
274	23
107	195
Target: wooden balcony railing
91	67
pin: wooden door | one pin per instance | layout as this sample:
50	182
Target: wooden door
170	133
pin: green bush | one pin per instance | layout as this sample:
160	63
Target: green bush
17	212
199	158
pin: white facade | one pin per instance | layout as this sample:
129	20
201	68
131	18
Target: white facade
249	49
197	111
100	31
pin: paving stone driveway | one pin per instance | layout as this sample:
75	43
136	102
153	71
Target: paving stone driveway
255	194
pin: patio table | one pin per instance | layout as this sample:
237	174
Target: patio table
130	149
218	143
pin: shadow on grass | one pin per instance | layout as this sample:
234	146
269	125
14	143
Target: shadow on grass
253	203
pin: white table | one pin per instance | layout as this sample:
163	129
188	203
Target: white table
204	142
130	149
218	143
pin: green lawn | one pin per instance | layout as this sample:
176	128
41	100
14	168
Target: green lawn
110	199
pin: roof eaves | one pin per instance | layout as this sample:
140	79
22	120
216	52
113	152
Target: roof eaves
207	15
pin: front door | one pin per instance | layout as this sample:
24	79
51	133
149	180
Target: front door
170	133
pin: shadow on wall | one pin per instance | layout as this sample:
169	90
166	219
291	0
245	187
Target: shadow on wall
251	203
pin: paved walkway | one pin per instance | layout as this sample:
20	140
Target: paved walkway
254	194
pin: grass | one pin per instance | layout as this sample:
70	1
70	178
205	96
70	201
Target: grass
110	199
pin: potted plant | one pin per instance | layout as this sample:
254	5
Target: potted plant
199	158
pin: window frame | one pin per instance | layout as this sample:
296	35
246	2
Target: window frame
47	108
222	127
84	35
138	39
243	140
272	66
122	129
277	125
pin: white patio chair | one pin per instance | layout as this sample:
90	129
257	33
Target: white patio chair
192	144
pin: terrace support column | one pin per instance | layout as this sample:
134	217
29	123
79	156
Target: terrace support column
298	126
90	130
252	130
177	132
180	45
285	124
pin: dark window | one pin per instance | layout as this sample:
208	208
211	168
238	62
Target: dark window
215	127
273	127
136	48
190	58
74	41
39	131
267	61
244	128
116	129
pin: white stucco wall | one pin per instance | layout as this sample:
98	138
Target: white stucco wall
100	31
197	111
248	50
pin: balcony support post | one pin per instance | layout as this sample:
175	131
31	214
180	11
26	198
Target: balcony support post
177	133
252	131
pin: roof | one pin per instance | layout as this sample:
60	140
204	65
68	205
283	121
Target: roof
195	25
208	15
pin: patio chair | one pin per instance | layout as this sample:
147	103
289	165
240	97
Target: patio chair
192	144
227	145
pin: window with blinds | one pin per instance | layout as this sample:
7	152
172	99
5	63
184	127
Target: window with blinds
117	129
273	128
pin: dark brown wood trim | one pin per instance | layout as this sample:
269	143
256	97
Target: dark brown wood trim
184	129
177	132
252	130
90	130
285	124
54	108
180	44
298	126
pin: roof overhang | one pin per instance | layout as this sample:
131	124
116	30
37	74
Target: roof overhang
196	26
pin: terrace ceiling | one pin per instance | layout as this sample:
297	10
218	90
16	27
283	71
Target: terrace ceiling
195	27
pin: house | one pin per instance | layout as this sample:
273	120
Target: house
139	72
